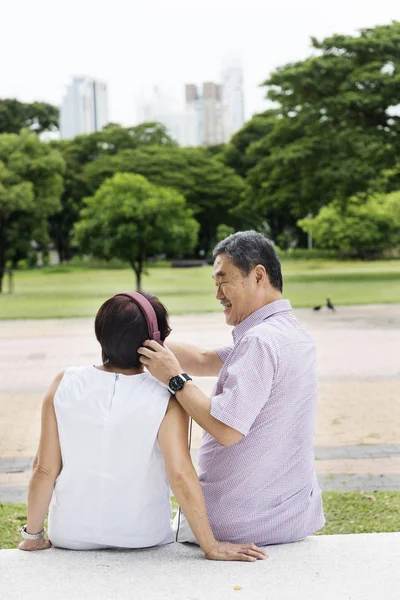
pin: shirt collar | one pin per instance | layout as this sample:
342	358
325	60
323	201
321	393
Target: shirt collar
259	316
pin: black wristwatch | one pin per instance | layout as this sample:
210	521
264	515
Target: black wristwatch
176	383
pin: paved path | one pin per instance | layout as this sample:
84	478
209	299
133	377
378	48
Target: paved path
345	567
358	426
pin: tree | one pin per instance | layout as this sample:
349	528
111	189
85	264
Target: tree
237	155
115	138
30	187
83	150
211	189
37	117
76	154
365	228
132	219
334	129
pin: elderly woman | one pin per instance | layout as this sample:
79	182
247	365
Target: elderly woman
113	439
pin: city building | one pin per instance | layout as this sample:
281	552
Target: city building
181	124
219	110
84	108
194	109
213	124
207	113
233	99
211	115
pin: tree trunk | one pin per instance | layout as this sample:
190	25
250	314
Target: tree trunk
137	266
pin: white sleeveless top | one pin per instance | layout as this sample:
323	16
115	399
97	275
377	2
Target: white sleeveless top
112	489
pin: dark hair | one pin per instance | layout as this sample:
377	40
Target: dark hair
121	329
247	249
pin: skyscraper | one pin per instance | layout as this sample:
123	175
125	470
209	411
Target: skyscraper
84	108
181	125
233	99
213	114
195	113
219	109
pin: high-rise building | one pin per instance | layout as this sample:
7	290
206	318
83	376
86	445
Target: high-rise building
207	111
84	108
195	112
180	124
233	99
213	125
220	107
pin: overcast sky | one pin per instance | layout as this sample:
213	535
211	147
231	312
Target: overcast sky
133	44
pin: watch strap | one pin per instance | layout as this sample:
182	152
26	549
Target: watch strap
32	536
184	377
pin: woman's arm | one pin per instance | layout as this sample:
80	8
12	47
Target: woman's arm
173	440
196	361
45	470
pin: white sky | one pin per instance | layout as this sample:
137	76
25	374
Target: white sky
133	44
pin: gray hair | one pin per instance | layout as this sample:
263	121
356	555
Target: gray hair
247	249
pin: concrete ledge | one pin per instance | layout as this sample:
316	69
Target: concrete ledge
348	567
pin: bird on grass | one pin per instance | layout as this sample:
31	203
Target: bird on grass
330	305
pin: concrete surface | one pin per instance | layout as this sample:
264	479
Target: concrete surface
348	567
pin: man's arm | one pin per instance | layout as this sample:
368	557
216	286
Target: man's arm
198	406
230	414
196	361
163	365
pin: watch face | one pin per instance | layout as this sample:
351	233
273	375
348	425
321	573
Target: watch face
176	383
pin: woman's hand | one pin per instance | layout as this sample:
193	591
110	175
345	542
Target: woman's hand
30	545
227	551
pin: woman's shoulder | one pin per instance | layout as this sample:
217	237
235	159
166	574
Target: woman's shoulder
154	383
71	373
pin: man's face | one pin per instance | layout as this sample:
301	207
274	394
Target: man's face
234	290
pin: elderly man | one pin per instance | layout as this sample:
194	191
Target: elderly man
256	459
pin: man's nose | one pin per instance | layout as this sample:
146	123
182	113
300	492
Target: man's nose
219	293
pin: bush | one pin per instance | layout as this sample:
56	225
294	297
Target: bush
365	228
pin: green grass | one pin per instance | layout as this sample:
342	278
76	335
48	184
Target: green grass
61	292
12	518
361	512
346	512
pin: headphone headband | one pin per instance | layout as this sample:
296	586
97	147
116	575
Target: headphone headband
148	312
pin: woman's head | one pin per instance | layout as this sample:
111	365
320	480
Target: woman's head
121	329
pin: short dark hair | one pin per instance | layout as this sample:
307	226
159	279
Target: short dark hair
121	329
247	249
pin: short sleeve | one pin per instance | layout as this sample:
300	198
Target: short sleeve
223	352
246	386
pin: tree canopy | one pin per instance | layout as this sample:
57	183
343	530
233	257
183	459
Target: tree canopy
37	116
31	184
211	188
83	150
332	132
132	219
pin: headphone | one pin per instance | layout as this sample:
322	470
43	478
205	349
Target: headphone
154	334
148	312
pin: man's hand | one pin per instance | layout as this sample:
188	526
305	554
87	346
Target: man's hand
160	361
227	551
31	545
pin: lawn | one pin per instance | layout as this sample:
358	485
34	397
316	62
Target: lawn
60	292
346	512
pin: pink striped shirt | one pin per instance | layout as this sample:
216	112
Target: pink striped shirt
264	488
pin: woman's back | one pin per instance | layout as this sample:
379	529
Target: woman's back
112	489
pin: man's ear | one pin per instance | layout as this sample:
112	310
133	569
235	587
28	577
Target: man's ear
260	273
